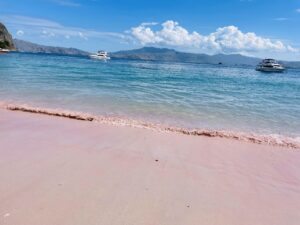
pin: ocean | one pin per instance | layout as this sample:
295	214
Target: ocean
190	96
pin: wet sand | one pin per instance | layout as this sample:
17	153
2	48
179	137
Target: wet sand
68	172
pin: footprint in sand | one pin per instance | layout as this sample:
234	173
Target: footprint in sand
6	215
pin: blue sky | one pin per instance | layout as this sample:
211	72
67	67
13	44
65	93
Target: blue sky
251	27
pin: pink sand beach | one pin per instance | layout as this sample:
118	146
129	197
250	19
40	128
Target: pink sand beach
58	171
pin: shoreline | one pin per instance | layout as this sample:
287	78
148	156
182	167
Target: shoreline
273	140
59	171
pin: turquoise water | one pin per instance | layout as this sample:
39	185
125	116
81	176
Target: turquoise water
186	95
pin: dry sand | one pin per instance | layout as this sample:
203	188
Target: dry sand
56	171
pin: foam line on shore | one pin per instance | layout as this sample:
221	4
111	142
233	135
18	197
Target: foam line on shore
275	140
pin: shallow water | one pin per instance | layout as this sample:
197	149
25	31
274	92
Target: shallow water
184	95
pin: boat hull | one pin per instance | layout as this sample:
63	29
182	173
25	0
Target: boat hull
99	57
270	70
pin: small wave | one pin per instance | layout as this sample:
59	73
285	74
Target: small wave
275	140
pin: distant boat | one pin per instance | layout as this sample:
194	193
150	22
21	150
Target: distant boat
3	51
101	55
270	65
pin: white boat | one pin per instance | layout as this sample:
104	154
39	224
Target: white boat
270	65
101	55
2	50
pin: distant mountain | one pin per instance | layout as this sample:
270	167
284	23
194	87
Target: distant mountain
291	64
170	55
25	46
6	40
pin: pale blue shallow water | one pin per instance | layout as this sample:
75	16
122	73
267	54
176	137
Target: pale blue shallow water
186	95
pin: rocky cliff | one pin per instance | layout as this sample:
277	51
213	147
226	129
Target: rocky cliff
6	40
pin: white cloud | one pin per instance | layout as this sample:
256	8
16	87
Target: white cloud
225	39
171	34
281	19
80	34
29	21
68	3
50	29
149	24
20	33
47	34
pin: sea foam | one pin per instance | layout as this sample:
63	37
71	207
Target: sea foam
270	139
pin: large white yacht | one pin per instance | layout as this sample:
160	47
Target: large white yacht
270	65
101	55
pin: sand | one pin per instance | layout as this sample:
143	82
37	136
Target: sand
57	171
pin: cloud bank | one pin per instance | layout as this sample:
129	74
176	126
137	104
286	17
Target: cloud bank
228	40
225	39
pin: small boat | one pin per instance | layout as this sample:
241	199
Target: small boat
101	55
270	65
3	51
